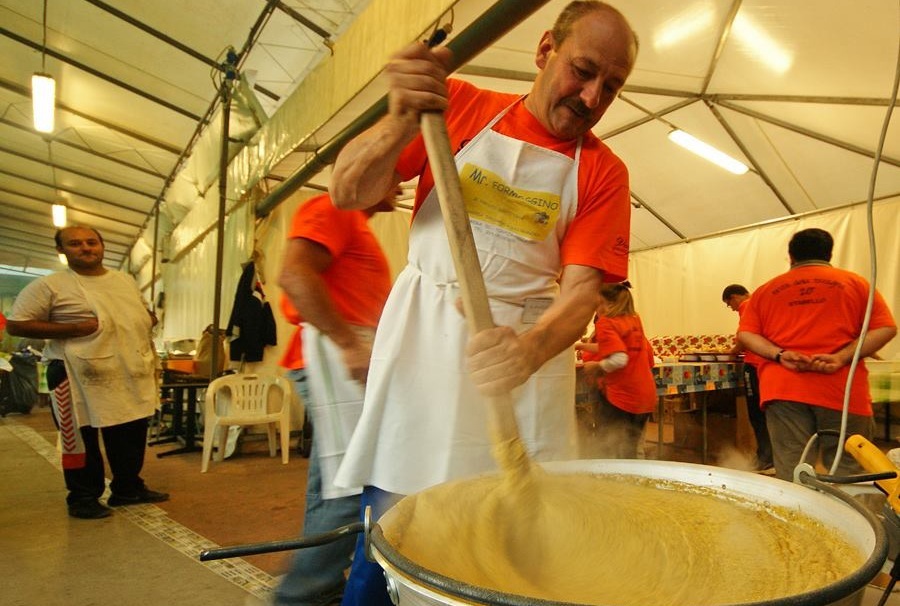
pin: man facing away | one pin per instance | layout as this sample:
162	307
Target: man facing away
335	279
101	371
550	214
735	296
805	325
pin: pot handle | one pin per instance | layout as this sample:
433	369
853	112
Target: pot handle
806	475
237	551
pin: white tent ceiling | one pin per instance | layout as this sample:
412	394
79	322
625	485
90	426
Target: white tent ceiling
796	90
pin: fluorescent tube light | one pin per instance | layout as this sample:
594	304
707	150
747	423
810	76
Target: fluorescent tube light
59	215
708	152
62	258
43	99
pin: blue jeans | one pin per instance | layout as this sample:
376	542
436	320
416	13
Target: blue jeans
316	574
366	585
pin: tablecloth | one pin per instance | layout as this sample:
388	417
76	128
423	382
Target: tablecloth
673	378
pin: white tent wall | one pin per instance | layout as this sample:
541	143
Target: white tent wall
678	288
190	278
141	267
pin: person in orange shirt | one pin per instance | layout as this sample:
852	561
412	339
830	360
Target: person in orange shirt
806	324
335	279
295	369
735	296
621	359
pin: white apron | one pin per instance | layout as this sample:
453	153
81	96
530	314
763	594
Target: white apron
424	422
336	401
112	376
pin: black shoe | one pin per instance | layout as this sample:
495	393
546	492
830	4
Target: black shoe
89	510
144	496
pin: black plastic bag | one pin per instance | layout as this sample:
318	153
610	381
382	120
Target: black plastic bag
18	389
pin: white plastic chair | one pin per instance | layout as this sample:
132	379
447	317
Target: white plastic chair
247	399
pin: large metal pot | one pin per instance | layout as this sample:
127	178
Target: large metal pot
412	585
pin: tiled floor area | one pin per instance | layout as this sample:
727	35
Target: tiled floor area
147	554
144	554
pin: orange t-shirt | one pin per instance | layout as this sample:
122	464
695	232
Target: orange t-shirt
631	388
598	235
358	279
814	309
749	357
293	353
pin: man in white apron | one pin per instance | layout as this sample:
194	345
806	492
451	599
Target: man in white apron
335	280
101	372
550	212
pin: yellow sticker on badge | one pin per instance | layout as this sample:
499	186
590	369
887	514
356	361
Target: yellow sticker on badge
528	214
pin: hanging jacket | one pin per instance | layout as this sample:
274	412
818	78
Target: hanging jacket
252	324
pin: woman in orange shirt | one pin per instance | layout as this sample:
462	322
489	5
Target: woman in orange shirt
621	359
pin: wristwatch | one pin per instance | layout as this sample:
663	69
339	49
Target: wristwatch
777	357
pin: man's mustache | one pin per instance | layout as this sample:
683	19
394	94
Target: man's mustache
578	107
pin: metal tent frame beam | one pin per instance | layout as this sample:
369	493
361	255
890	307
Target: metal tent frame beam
70	206
98	74
74	171
86	150
499	19
26	93
69	190
187	49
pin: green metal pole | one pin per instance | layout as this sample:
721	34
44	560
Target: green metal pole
502	17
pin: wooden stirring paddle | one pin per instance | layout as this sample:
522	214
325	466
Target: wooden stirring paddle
508	447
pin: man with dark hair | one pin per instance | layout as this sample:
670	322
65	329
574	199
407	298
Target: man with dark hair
101	372
732	294
811	245
550	211
805	325
58	236
736	296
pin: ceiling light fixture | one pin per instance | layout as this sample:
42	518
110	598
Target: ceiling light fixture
707	152
43	90
59	215
43	102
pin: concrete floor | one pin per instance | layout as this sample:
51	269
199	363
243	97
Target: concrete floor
147	554
144	554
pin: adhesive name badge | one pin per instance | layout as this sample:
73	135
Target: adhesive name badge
535	308
489	199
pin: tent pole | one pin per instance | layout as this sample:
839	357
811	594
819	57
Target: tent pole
502	17
154	261
220	227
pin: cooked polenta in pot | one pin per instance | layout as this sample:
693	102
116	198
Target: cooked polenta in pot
616	540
